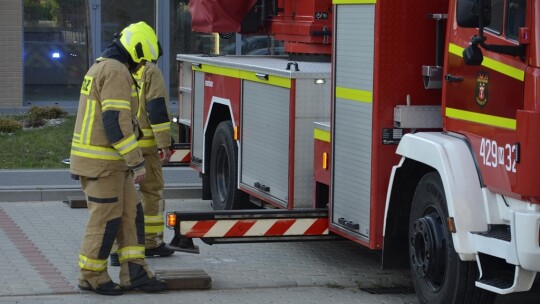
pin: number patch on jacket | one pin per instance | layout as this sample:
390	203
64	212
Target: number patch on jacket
87	85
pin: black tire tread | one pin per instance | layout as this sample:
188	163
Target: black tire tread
464	290
224	135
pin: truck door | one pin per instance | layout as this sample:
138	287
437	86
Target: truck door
481	101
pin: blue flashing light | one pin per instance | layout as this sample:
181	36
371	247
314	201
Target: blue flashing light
55	55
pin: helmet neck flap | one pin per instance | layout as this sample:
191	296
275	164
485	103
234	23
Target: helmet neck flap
117	52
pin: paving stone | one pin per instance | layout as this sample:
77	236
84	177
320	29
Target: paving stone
310	272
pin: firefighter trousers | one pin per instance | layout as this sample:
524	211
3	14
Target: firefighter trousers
114	213
153	202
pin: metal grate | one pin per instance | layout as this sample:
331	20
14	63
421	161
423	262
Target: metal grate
389	290
501	232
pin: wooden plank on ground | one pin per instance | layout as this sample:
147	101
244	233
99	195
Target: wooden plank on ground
185	278
76	202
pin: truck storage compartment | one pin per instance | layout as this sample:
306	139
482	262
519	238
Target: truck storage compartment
277	135
197	122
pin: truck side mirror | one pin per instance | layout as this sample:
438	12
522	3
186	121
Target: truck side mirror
472	55
468	13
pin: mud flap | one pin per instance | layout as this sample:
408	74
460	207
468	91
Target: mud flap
184	244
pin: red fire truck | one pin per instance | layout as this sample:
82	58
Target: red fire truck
405	126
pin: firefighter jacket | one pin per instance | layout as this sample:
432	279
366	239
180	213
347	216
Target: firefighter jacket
106	131
153	115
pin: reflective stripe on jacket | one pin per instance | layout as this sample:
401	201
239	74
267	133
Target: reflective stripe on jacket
153	114
105	135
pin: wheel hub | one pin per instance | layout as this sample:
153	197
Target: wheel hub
428	249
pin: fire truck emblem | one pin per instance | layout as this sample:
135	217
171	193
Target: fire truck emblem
482	86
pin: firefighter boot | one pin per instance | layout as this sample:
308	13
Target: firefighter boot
161	250
136	275
109	288
151	285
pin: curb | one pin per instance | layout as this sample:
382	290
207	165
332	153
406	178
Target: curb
61	194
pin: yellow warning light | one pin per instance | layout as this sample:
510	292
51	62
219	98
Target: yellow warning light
171	220
235	133
451	224
325	160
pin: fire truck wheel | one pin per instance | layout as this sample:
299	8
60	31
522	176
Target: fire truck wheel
224	169
438	274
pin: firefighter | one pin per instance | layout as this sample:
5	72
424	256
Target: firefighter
155	125
153	117
106	158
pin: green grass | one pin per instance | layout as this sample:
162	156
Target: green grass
39	148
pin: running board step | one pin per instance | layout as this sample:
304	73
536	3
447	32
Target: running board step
495	272
500	232
496	275
498	263
497	242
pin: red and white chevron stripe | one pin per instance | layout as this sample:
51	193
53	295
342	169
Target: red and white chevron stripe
259	227
180	156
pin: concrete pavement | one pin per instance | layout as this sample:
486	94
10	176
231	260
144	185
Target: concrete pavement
40	243
40	239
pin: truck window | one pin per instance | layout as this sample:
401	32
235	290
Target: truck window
497	13
515	18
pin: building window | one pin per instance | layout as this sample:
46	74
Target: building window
117	14
55	50
184	41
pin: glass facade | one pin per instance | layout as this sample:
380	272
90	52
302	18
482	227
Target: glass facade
182	40
55	49
59	41
117	14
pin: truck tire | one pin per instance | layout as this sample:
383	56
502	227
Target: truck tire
438	274
224	169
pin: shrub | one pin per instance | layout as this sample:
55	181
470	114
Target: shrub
9	125
34	122
47	112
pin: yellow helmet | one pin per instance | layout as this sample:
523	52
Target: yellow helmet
140	41
151	32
